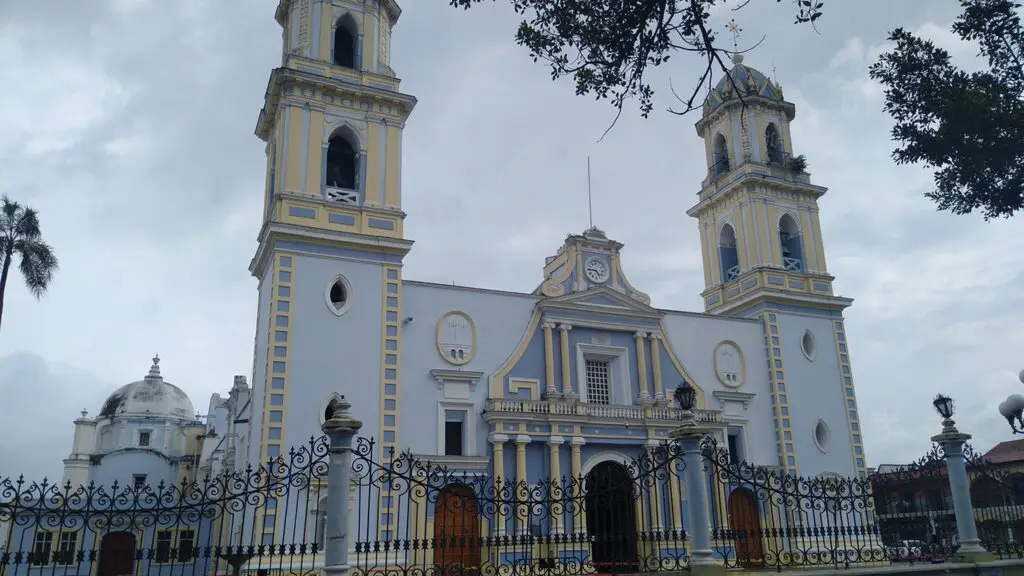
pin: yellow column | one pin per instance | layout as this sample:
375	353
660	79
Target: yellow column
658	521
498	447
557	514
641	366
675	501
659	386
522	494
563	330
549	360
819	246
580	520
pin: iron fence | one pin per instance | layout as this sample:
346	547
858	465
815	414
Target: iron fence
997	495
260	520
765	517
416	517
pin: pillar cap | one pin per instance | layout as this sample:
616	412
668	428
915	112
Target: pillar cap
340	422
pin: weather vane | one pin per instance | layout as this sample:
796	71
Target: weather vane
735	30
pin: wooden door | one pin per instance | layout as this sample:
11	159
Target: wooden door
457	530
745	524
117	554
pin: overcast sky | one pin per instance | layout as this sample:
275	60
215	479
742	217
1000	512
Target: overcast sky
129	125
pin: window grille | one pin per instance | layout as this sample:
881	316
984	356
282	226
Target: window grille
598	390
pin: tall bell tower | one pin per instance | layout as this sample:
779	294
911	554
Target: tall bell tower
331	245
764	258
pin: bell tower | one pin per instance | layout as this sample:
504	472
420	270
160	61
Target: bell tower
332	121
764	258
331	244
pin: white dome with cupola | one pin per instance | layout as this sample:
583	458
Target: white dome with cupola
151	396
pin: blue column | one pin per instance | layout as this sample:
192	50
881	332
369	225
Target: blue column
697	525
952	442
340	428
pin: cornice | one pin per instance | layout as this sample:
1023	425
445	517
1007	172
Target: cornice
767	187
836	303
281	77
271	232
724	396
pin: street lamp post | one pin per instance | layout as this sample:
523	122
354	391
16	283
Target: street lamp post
1013	409
952	442
688	437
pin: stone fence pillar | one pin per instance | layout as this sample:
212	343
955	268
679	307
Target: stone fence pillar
340	429
697	524
952	442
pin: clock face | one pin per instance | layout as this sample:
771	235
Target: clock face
596	270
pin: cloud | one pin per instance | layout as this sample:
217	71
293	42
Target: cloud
131	132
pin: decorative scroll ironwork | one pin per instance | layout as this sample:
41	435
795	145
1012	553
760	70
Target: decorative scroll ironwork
257	520
416	517
764	517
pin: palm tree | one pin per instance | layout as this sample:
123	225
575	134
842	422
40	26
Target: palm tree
19	234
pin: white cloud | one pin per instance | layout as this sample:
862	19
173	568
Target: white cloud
59	97
155	199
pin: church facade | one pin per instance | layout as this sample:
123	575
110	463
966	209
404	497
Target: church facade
551	382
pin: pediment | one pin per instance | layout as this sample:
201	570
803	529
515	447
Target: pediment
602	300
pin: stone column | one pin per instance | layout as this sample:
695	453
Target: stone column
689	436
580	520
501	489
659	386
641	367
563	330
952	442
549	361
558	509
522	485
340	428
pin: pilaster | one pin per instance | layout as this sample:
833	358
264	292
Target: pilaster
641	368
563	332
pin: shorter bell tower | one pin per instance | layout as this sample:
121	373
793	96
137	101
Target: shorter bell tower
764	258
757	208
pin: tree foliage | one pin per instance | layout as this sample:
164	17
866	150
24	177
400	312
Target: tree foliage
967	126
20	236
608	46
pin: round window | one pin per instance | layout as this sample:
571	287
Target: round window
338	295
807	345
822	435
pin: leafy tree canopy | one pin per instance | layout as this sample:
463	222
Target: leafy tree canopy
607	46
967	126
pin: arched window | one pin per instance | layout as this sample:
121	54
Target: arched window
728	256
341	171
773	143
721	156
792	245
346	37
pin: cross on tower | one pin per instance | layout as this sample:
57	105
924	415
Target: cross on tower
735	30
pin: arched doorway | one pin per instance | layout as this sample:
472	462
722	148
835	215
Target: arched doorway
745	525
456	530
611	518
117	554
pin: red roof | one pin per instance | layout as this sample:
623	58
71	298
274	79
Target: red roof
1006	452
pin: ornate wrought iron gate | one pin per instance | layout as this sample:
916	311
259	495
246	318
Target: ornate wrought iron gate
415	517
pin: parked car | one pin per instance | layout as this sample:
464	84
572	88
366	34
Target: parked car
905	550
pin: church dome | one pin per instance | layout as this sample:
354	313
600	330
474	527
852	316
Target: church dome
151	396
749	80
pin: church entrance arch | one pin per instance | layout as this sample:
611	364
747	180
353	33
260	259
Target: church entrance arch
611	518
745	524
457	530
117	554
